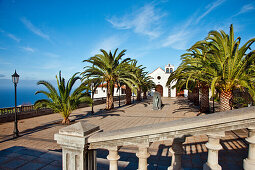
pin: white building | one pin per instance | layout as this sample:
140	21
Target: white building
160	77
101	91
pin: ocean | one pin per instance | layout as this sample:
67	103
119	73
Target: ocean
24	96
25	92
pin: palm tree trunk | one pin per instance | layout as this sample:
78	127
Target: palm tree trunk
145	95
128	95
192	96
66	121
204	107
225	97
109	98
139	95
196	96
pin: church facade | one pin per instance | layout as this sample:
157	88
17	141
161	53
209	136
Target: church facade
160	77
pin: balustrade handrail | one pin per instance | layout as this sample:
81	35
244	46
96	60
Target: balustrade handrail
21	108
82	139
216	122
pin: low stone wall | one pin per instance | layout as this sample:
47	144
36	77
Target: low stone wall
23	115
39	112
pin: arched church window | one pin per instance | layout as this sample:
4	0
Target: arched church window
167	70
171	70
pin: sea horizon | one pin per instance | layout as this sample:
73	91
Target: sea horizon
25	96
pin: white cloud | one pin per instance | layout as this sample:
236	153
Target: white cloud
245	8
181	36
28	49
210	7
34	29
13	37
10	35
52	55
109	43
177	40
145	20
55	65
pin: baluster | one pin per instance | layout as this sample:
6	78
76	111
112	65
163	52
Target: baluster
143	154
249	163
177	151
113	157
213	146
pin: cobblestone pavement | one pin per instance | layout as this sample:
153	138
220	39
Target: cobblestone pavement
36	148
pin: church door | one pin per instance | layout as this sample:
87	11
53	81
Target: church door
159	89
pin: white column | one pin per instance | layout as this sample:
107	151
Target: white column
75	152
73	158
249	163
213	146
176	150
143	154
113	157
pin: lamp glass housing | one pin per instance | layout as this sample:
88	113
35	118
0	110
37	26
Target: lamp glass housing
15	78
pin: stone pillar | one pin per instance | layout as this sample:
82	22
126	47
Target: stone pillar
177	151
249	163
213	146
75	152
113	157
143	154
91	159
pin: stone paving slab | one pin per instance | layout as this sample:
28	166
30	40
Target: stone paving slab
36	148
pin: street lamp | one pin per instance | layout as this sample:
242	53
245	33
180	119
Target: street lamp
92	91
15	80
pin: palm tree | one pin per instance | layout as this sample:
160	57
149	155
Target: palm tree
147	84
128	94
230	65
64	100
110	69
138	72
186	76
201	54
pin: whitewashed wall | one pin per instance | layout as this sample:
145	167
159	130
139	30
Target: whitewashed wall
164	77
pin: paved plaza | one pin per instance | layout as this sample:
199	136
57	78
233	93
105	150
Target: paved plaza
36	148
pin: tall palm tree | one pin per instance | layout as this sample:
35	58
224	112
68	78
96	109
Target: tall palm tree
230	65
128	94
186	76
63	100
110	69
138	72
201	54
147	84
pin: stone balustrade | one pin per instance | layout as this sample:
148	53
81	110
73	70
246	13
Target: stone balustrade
77	145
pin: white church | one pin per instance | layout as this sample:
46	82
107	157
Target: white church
160	77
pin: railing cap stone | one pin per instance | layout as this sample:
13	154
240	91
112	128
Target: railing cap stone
80	129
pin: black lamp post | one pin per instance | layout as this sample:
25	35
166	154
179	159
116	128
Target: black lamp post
92	92
15	80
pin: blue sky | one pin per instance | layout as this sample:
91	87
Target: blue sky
39	38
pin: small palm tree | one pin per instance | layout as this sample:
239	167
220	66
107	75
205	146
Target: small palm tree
64	100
